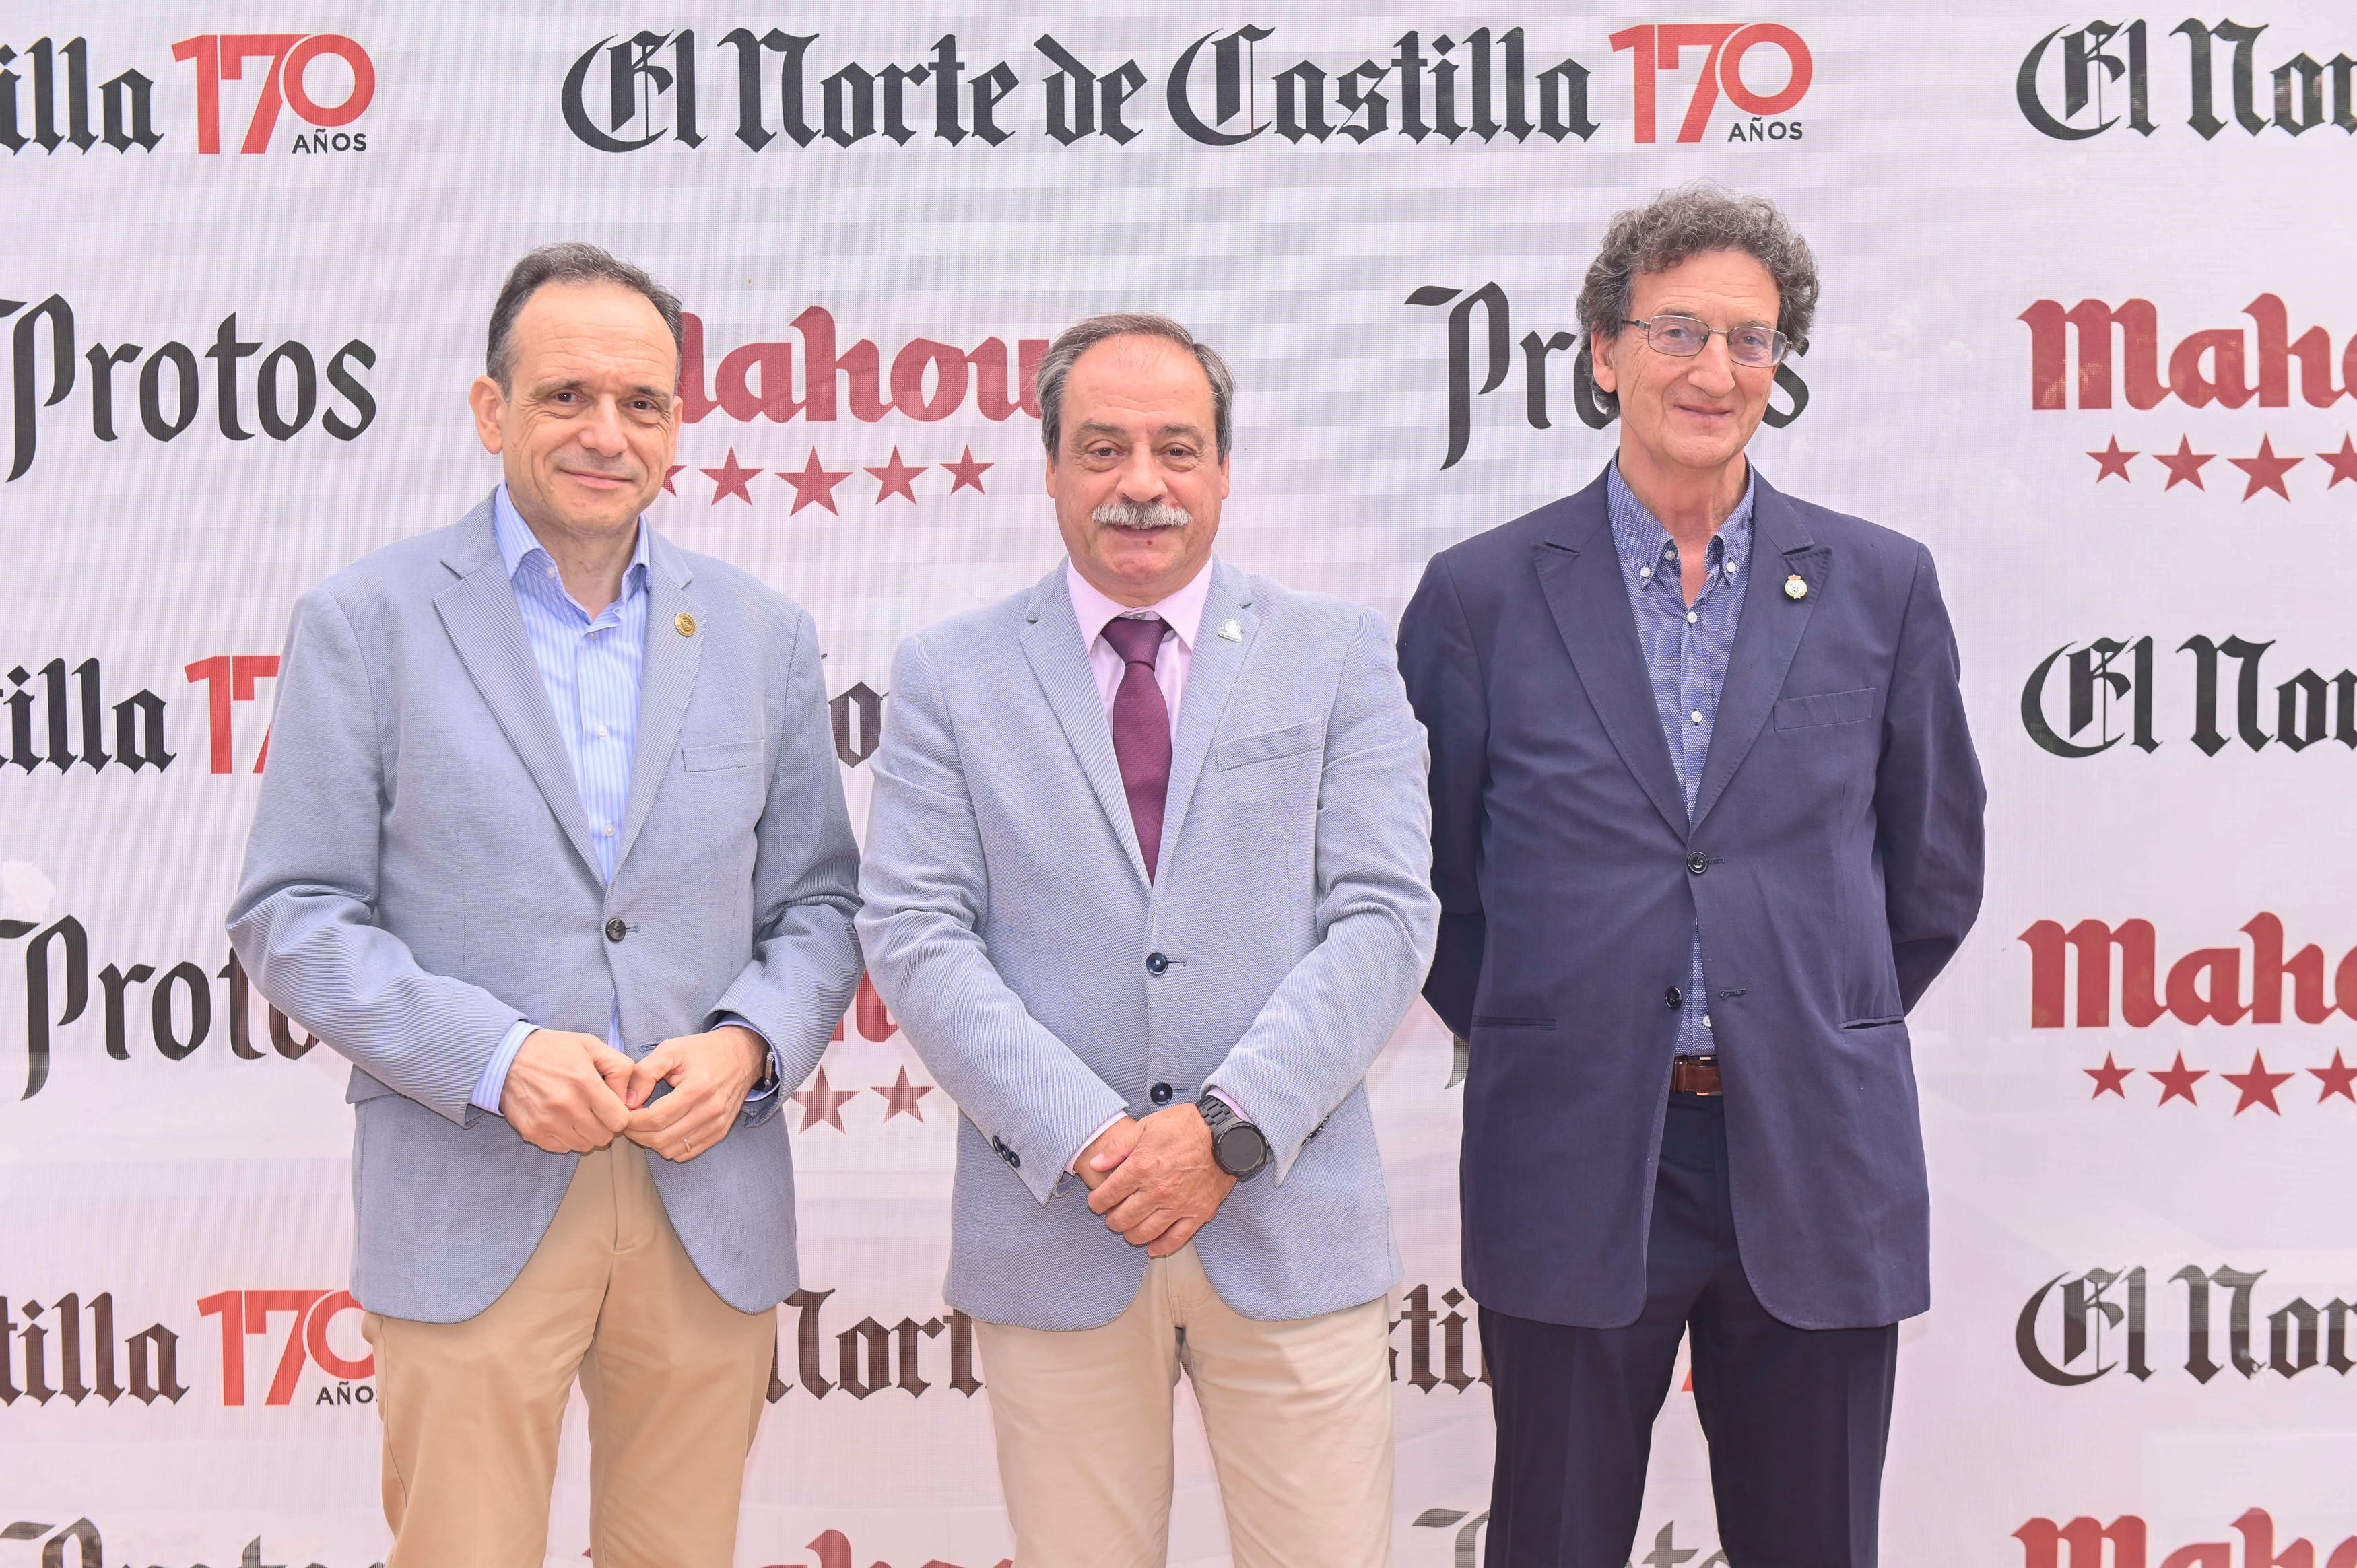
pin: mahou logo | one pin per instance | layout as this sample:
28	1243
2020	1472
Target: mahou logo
2126	1543
2077	82
2094	354
328	80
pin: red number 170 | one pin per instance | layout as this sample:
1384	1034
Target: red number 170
219	55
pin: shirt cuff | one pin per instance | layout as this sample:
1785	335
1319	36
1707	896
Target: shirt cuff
494	1079
1073	1166
771	1071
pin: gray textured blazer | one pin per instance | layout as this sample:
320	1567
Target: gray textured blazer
420	876
1009	924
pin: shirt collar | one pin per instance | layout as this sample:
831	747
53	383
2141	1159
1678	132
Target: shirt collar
1639	538
1181	611
518	545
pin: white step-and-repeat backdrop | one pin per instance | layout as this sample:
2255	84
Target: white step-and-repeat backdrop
2087	329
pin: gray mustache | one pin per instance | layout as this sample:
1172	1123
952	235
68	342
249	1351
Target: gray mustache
1141	514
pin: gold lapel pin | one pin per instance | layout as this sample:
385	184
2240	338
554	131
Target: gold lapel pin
686	622
1231	631
1796	587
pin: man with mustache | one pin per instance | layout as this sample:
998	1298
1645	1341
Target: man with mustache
1707	824
552	846
1145	885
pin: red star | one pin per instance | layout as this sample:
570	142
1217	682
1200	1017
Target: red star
814	484
2344	467
2184	464
728	479
2177	1083
2266	471
967	472
896	479
2108	1078
673	472
901	1096
2258	1085
2111	461
820	1103
2338	1079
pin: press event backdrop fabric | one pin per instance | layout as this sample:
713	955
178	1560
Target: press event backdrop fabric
2086	330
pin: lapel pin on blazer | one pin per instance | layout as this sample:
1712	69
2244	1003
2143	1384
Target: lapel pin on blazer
686	623
1796	587
1231	631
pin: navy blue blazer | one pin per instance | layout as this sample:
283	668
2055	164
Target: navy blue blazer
1837	833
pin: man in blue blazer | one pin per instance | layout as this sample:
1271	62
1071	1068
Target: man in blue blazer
553	847
1706	823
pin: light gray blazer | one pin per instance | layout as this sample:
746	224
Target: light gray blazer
420	876
1009	923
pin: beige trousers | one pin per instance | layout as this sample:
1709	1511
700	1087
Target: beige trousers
675	1378
1298	1414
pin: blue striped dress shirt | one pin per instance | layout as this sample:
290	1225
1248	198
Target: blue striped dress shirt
1686	648
591	666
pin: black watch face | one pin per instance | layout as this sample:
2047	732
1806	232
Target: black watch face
1242	1150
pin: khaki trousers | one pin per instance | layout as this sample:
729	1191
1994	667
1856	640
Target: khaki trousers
1298	1414
675	1378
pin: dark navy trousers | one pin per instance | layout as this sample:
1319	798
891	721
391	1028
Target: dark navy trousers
1797	1418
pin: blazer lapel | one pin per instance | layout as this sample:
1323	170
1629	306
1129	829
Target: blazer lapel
666	682
1210	677
479	612
1051	641
1769	635
1580	572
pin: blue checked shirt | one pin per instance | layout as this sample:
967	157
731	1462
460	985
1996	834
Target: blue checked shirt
1685	647
591	667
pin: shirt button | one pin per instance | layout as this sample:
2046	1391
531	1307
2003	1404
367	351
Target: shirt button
1706	1020
1731	568
1156	963
602	732
1644	573
1696	715
1697	863
606	830
616	930
1693	617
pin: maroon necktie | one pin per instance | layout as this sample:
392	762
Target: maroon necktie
1141	729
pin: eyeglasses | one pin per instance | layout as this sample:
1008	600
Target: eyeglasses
1682	338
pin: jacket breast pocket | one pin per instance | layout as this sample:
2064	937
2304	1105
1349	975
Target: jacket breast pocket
1826	708
1271	743
726	754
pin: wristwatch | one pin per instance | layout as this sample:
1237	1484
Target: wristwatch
1240	1147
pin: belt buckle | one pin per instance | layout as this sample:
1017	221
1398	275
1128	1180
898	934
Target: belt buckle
1698	1065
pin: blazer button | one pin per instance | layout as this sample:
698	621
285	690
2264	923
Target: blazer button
1673	997
616	930
1156	963
1014	1161
1697	863
1159	1094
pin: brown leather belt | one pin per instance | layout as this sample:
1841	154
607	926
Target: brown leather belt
1695	1075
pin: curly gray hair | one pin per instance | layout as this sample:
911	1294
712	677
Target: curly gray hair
1686	222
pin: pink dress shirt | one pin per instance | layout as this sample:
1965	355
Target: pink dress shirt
1182	612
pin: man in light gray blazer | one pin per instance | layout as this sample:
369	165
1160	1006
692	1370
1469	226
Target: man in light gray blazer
552	846
1146	886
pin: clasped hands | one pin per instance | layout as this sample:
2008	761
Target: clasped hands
1155	1180
571	1093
